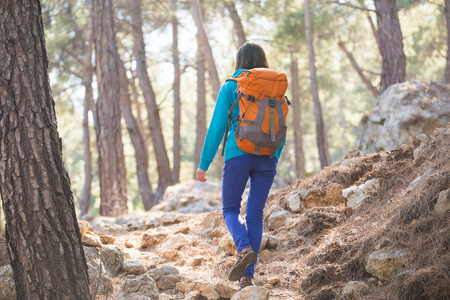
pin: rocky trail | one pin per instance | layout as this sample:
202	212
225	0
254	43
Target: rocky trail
368	227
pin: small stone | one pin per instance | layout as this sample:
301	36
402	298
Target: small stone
133	267
91	239
167	282
385	263
150	239
218	232
129	244
134	288
183	230
213	220
278	219
268	286
227	245
252	293
294	203
443	202
171	255
163	271
112	258
127	255
84	227
225	291
196	260
208	291
181	287
192	295
273	280
107	239
353	290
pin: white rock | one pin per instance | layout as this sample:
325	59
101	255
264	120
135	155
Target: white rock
443	203
252	293
278	219
355	195
384	264
294	204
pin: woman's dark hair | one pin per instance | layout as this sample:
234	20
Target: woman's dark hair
251	55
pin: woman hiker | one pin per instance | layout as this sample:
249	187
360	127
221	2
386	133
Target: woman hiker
239	167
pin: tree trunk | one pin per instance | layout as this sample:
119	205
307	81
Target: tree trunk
111	160
297	120
159	146
88	97
44	241
358	70
176	97
136	139
391	44
320	128
201	108
237	24
447	19
207	51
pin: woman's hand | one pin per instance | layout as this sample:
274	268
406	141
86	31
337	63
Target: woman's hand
201	175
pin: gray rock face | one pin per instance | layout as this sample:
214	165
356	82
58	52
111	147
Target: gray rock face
402	112
167	282
133	267
278	219
98	274
355	195
385	263
112	258
7	285
252	293
138	288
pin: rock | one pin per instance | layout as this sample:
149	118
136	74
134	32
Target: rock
213	219
218	232
278	219
352	153
294	203
403	112
166	297
183	230
129	244
84	227
112	258
8	287
268	242
197	207
252	293
138	288
107	239
181	287
171	255
97	271
355	195
196	260
226	245
209	292
175	242
150	239
133	267
330	195
4	257
353	290
443	202
163	271
225	291
91	239
273	280
192	295
172	218
167	282
384	264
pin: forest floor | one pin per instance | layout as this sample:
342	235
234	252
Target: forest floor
324	247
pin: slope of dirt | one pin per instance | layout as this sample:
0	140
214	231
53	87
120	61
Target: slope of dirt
322	249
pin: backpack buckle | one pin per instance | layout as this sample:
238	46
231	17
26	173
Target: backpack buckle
272	102
250	98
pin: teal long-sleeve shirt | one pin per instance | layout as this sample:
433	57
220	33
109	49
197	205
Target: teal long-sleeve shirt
218	125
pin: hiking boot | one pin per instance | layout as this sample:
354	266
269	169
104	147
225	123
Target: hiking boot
245	282
244	259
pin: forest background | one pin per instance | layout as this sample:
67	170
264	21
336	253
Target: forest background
279	26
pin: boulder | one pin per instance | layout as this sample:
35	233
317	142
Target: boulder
443	202
278	219
225	291
167	282
252	293
8	287
353	290
403	112
384	264
355	195
133	267
294	203
98	274
138	288
112	258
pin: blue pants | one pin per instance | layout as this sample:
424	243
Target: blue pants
261	170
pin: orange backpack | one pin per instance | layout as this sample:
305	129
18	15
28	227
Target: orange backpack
263	108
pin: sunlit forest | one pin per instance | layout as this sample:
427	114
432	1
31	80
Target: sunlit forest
343	40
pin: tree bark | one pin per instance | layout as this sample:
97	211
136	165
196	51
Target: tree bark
137	140
237	23
44	241
176	97
159	146
320	128
393	68
88	99
447	19
201	108
358	70
207	51
297	120
111	160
